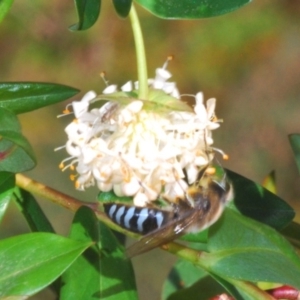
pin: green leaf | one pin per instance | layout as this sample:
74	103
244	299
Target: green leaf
32	212
21	97
16	154
102	269
292	233
82	279
186	281
7	184
32	261
243	249
111	197
88	12
295	144
162	100
117	277
122	7
158	101
256	202
4	8
191	9
239	290
199	237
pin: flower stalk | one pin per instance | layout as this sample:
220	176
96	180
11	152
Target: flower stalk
140	54
55	196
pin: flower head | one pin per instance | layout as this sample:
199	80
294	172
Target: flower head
140	148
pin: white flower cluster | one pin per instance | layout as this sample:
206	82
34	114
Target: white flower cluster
136	152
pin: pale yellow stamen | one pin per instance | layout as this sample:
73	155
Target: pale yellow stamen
210	171
72	178
225	156
103	76
66	111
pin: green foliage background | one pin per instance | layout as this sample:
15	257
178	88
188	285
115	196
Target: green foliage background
248	60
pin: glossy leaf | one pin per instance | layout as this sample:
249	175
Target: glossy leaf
88	12
7	184
16	154
254	201
117	279
199	237
186	281
4	8
191	9
122	7
21	97
243	249
82	279
32	261
237	289
32	212
292	233
295	144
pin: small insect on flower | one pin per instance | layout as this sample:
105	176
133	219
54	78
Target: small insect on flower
202	205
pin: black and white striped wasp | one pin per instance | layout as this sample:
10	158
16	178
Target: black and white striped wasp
202	206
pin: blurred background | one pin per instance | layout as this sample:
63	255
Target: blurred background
249	60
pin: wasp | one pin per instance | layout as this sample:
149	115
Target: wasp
202	205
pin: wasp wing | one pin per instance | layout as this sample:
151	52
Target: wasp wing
166	233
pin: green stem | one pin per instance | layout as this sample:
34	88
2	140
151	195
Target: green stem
140	54
64	200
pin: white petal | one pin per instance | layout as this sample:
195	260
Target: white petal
201	161
73	149
79	108
127	87
83	169
110	89
104	186
175	93
213	125
211	105
199	98
104	172
118	190
162	75
200	109
192	173
175	189
130	188
135	106
140	199
168	87
89	96
151	194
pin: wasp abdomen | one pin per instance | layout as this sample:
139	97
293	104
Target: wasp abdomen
137	219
